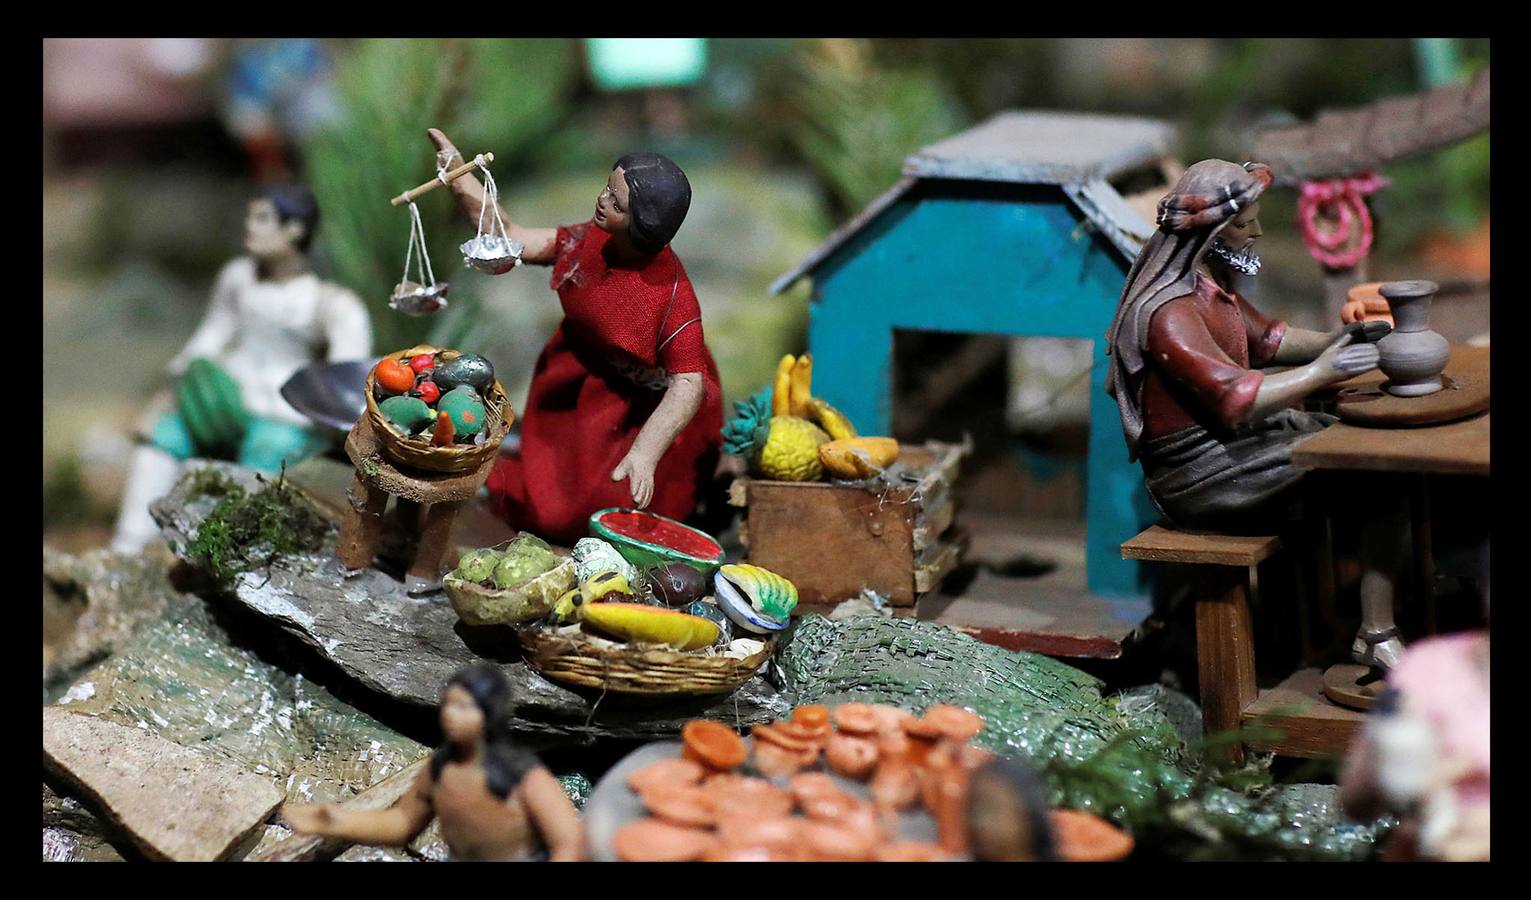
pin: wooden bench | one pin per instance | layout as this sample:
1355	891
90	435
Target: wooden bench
1225	649
1308	724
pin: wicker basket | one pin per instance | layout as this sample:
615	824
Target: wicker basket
575	658
417	453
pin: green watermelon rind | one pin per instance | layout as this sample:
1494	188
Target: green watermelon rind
646	555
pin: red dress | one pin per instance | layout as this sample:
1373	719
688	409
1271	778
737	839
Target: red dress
597	382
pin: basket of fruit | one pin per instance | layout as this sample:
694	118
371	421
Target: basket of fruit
513	582
654	630
437	410
581	655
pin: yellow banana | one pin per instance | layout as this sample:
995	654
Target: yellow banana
802	382
781	390
856	458
833	421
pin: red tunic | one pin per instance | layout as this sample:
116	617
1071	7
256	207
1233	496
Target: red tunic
597	382
1204	350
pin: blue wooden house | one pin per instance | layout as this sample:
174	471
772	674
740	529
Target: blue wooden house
1012	228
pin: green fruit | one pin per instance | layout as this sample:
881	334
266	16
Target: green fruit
477	565
409	413
469	369
465	408
513	571
528	540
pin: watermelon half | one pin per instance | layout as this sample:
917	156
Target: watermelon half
648	541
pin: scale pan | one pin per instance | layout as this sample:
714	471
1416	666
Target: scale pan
491	254
419	300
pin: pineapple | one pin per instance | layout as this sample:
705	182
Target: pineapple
782	448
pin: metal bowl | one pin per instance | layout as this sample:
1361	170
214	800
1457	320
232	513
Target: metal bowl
418	300
491	254
333	395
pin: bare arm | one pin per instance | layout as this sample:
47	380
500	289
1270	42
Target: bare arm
537	243
220	323
676	409
1339	361
1299	345
554	816
392	827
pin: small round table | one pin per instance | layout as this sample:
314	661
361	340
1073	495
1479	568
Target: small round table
377	478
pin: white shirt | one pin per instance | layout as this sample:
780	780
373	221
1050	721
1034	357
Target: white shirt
262	332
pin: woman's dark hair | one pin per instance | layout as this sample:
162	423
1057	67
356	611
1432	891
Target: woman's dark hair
294	202
658	197
506	762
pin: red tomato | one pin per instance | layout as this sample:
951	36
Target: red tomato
423	363
428	391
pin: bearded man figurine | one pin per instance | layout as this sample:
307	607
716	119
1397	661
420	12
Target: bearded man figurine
1213	432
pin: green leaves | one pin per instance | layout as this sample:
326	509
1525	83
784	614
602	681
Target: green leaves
499	95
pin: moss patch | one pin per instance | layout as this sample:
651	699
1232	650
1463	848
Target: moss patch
247	531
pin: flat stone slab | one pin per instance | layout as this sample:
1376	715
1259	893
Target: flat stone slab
406	648
173	802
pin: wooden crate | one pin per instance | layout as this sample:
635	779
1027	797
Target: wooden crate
832	541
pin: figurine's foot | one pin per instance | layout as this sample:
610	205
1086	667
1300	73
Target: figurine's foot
415	586
348	573
1378	649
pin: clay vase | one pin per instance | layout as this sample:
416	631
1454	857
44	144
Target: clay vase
1412	356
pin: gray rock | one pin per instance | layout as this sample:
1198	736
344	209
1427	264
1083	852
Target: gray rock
173	802
1182	712
407	648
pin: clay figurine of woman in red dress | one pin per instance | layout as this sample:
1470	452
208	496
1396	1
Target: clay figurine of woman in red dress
625	407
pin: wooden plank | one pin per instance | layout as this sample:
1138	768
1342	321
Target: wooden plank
933	523
1312	726
1225	650
1456	448
1052	614
929	575
833	541
1160	544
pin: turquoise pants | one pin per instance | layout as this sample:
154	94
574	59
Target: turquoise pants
266	445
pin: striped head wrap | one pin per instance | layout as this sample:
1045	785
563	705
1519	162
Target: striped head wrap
1186	210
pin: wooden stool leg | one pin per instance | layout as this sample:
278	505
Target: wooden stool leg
362	526
435	538
1225	651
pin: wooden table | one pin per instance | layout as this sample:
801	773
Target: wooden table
1312	724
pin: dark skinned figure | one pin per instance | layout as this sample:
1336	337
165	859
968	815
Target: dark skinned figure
494	799
625	407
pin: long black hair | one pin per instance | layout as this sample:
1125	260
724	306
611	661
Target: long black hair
658	197
506	762
294	202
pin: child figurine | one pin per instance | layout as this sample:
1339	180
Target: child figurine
626	390
1213	431
494	799
270	317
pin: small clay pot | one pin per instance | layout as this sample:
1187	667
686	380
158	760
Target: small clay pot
1412	356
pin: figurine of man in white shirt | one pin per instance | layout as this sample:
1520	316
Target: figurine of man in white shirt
270	317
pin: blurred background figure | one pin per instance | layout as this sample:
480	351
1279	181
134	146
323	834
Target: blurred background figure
277	93
270	316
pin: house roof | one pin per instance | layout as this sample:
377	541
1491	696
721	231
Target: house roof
1076	151
1345	142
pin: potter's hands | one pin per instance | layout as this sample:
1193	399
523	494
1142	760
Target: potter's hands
639	470
309	819
1367	332
1345	359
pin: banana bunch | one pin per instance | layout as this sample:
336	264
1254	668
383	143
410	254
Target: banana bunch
784	432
